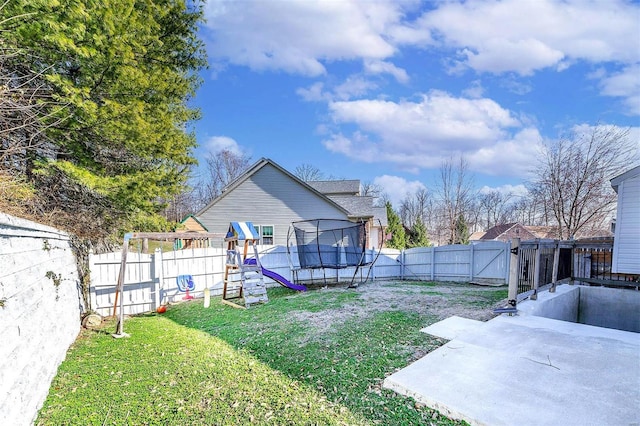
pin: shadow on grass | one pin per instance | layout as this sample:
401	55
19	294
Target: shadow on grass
347	362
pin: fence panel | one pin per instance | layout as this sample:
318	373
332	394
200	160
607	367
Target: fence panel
452	263
388	264
205	265
139	288
491	262
151	279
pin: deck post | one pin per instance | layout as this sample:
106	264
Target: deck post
536	273
513	273
556	262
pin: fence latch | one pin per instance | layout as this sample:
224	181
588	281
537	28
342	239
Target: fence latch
514	250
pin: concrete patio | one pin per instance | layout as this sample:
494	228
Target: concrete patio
527	370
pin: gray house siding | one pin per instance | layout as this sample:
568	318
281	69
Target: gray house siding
268	197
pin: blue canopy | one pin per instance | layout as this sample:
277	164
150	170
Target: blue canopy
242	231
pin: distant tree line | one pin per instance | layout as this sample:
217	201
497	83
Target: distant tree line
568	190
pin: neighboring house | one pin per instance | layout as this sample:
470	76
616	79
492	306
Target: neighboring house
544	232
626	242
476	237
508	231
347	194
271	198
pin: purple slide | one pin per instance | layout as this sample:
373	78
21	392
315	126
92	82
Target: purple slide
277	277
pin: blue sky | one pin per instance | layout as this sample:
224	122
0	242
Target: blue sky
385	91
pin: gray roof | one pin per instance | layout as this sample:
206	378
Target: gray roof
336	187
356	206
380	214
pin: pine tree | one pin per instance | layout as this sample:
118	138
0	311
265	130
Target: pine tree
112	79
419	236
394	227
462	231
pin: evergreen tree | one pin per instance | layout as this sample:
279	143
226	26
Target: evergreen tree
462	231
112	79
419	236
394	227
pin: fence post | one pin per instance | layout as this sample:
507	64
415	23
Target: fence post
512	296
507	261
433	263
158	277
556	262
536	273
471	262
92	296
402	265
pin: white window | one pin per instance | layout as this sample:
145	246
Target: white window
266	234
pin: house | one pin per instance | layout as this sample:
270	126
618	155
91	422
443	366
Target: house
271	198
508	231
346	194
626	242
476	237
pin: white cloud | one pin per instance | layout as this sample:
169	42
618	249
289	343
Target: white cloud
525	36
383	67
353	87
513	156
420	135
397	188
299	36
475	90
524	56
507	189
314	93
218	143
625	84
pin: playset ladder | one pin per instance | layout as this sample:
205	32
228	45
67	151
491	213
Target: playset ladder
243	280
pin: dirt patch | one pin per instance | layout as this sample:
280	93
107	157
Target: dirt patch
429	300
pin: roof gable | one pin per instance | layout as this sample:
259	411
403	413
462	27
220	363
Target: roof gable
256	167
193	218
497	230
616	181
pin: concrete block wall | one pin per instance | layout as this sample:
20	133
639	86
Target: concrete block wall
40	307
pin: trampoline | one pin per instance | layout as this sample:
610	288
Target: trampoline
328	244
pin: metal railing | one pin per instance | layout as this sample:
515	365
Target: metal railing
539	264
592	260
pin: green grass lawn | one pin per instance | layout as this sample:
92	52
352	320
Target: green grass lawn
314	358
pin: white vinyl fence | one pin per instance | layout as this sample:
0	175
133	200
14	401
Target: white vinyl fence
150	279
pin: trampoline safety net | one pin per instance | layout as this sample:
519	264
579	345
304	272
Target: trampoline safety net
330	243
